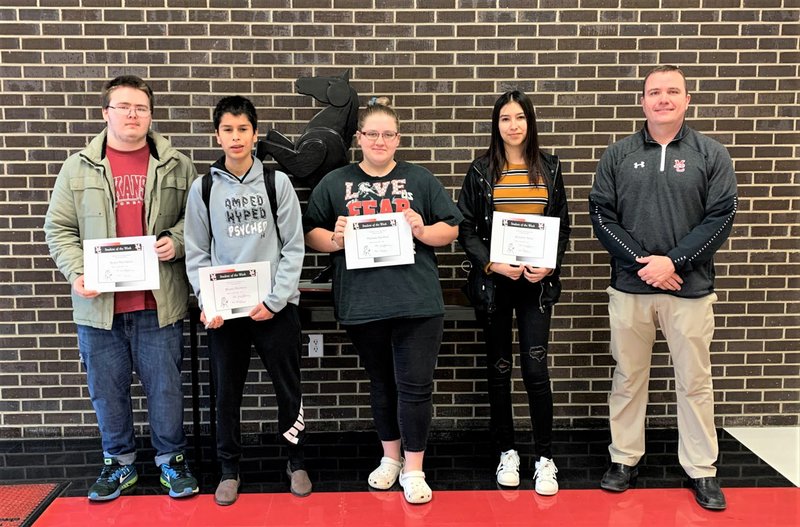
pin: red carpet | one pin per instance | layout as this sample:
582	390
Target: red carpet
747	507
21	504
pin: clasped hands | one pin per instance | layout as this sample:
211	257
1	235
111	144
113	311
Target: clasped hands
514	272
659	272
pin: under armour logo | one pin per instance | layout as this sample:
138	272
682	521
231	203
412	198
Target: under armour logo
640	164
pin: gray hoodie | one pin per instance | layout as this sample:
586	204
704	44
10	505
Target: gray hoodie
243	230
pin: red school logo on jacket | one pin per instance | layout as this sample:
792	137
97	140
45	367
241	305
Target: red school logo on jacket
680	165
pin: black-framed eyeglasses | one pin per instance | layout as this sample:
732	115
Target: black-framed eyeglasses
124	109
372	135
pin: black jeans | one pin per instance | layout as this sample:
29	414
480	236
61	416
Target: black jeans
277	343
400	355
534	329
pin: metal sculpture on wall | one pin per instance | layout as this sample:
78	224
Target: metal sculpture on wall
323	146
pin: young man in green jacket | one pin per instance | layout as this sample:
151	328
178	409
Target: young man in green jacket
129	181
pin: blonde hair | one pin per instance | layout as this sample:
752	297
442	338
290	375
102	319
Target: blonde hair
377	105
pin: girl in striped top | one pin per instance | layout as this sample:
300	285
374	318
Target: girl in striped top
514	176
514	192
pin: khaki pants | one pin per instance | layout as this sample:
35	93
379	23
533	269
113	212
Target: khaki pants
688	325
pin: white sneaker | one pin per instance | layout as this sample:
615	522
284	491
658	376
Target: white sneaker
508	469
545	477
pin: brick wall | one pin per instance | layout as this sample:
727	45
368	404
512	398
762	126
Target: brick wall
443	62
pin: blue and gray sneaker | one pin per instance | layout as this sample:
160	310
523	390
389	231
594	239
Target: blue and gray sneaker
176	477
115	479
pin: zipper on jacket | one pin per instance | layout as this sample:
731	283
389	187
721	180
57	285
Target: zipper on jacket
487	205
663	157
541	297
551	189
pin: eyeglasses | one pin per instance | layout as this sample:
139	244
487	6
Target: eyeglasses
124	109
373	136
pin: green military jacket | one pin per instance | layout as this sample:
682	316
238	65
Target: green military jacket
82	207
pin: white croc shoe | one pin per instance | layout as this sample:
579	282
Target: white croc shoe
383	477
415	488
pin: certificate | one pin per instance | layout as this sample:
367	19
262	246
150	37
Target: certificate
120	264
525	239
232	291
378	240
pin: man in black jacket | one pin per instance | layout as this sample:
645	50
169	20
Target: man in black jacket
662	204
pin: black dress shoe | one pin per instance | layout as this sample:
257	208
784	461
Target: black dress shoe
618	477
708	494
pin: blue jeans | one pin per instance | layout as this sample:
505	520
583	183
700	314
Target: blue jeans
400	355
135	342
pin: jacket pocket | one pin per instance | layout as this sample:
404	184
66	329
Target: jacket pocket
174	182
480	290
551	291
171	200
89	194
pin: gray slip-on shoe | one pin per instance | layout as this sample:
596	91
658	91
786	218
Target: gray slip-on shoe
300	484
227	491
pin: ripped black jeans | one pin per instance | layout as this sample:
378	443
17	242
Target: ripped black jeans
534	329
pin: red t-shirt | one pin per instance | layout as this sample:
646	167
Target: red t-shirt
129	170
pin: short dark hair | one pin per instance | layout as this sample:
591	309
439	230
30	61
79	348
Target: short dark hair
665	69
129	81
235	105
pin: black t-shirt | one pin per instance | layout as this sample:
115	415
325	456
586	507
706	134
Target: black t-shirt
366	295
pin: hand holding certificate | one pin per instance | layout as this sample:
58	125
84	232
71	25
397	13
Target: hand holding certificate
524	239
378	240
121	264
232	291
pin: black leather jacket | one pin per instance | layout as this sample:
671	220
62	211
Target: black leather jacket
476	204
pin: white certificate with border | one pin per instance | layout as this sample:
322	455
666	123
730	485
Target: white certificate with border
525	239
378	240
120	264
232	291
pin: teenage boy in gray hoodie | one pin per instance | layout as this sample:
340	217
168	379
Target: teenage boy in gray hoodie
235	223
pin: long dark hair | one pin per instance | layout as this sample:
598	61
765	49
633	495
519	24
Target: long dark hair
530	151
